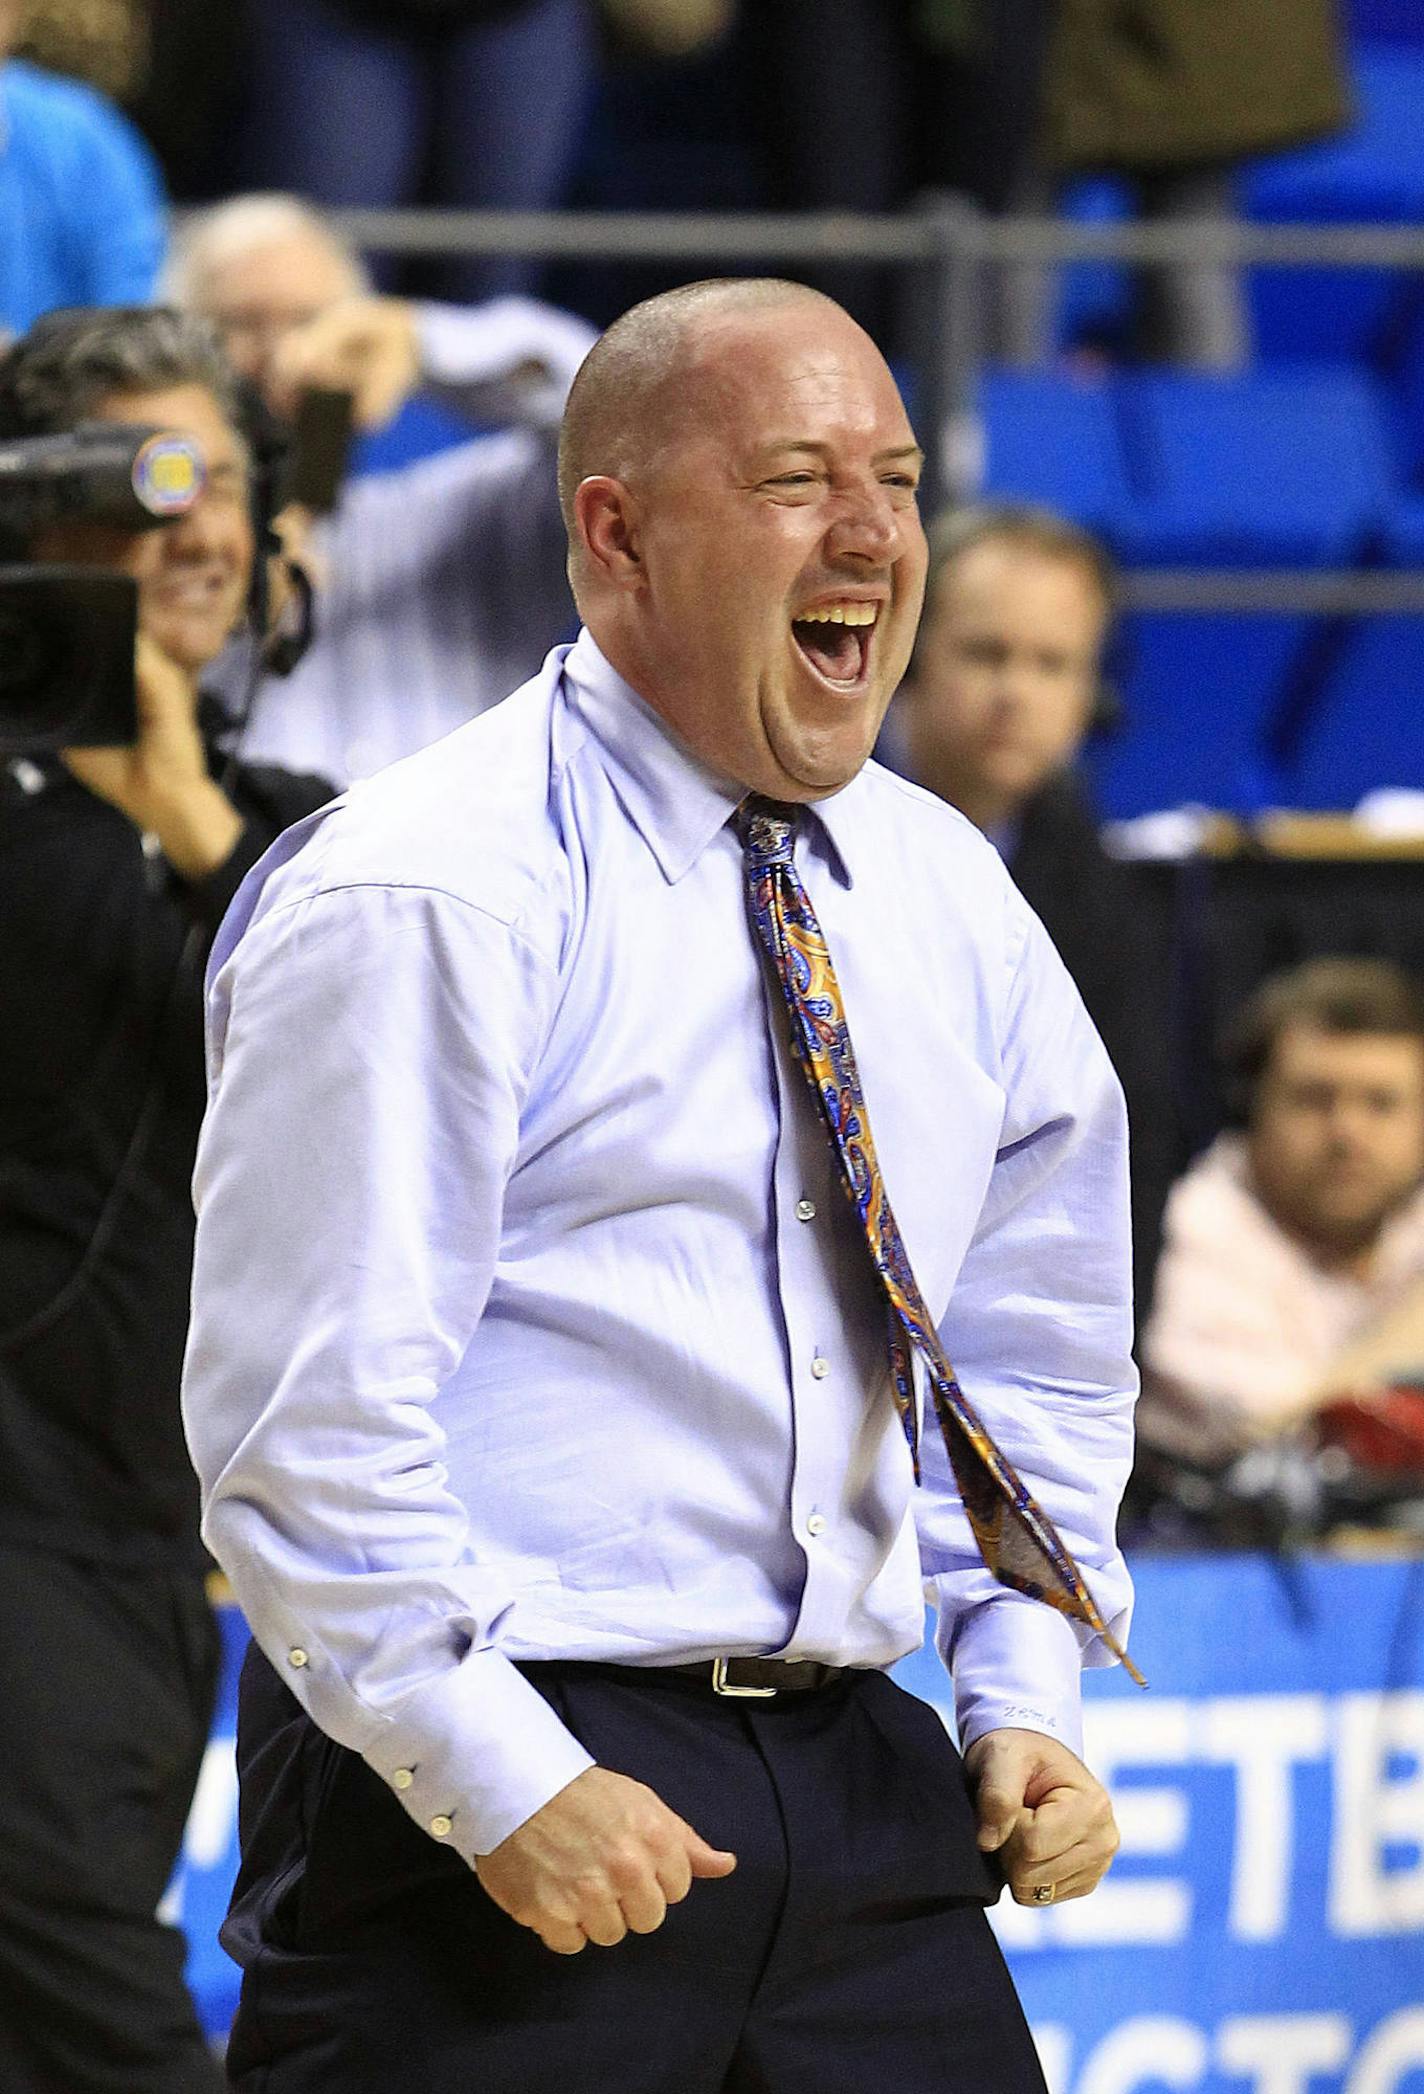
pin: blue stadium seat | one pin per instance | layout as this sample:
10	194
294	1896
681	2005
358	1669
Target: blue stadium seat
1277	467
1374	172
1404	380
1393	21
1092	301
1365	730
1053	437
1197	693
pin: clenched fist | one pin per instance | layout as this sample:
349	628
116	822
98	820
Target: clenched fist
1040	1810
602	1857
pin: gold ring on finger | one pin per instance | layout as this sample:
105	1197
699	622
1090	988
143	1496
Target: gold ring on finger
1043	1893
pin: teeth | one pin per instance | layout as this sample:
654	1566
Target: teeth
841	614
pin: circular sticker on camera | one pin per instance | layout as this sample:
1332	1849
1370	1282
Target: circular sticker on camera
168	475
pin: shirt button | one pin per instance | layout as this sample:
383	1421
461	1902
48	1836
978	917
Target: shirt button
820	1368
805	1210
402	1778
816	1524
297	1657
442	1827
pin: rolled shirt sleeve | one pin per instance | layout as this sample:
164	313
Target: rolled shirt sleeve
1039	1330
510	359
362	1124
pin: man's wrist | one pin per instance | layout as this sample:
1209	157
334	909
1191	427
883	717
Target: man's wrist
1017	1665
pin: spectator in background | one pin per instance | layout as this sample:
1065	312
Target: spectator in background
1174	97
1302	1230
81	204
116	865
1004	688
937	95
469	104
441	585
102	41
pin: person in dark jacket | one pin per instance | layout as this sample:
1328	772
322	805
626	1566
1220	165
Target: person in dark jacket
116	865
1004	688
1174	95
467	104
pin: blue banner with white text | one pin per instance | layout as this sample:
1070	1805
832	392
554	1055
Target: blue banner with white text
1262	1930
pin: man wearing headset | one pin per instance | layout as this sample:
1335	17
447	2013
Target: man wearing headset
116	865
1005	688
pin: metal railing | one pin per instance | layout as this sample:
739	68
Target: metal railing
945	247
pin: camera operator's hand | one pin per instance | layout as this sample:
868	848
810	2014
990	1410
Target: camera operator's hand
162	782
363	346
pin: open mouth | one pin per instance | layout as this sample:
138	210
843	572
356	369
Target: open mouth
835	639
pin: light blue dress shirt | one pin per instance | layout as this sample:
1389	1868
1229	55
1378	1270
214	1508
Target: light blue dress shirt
530	1317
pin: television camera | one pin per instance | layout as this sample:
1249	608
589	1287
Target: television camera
67	632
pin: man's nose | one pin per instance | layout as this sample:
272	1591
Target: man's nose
868	527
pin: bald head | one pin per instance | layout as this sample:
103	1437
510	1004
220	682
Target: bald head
739	477
630	395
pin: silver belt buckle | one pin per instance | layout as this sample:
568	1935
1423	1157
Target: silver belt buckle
722	1685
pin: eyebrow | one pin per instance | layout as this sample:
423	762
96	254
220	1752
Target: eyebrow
821	450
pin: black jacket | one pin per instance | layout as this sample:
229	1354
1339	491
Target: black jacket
1087	904
102	949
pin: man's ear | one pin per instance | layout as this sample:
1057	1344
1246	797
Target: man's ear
607	517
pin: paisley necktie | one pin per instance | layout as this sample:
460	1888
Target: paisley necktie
1017	1540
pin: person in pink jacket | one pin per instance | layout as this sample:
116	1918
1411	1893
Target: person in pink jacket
1299	1234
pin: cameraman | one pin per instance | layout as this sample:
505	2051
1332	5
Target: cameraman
115	868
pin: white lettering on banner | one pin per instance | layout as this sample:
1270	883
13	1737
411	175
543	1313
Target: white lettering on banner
1054	2045
1376	1865
1155	1910
1154	2050
1281	2053
1263	1737
1271	2053
1395	2048
1373	1811
214	1812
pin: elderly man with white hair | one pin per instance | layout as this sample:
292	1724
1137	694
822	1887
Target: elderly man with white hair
440	584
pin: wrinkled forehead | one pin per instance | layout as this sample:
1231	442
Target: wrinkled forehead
788	375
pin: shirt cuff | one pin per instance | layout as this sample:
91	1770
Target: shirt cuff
476	1754
511	352
1016	1665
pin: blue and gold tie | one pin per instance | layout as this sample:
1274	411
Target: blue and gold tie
1016	1538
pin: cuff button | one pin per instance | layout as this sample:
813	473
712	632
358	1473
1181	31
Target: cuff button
442	1827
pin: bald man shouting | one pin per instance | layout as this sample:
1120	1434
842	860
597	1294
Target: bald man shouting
662	1210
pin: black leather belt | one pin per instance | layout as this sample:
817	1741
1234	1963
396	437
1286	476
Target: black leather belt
758	1679
746	1679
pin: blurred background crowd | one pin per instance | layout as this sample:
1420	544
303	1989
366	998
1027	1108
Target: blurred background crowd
1197	416
1170	663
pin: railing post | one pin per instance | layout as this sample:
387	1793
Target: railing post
946	335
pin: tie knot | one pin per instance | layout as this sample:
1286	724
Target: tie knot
767	829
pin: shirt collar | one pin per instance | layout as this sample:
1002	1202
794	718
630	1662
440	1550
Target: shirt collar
677	803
